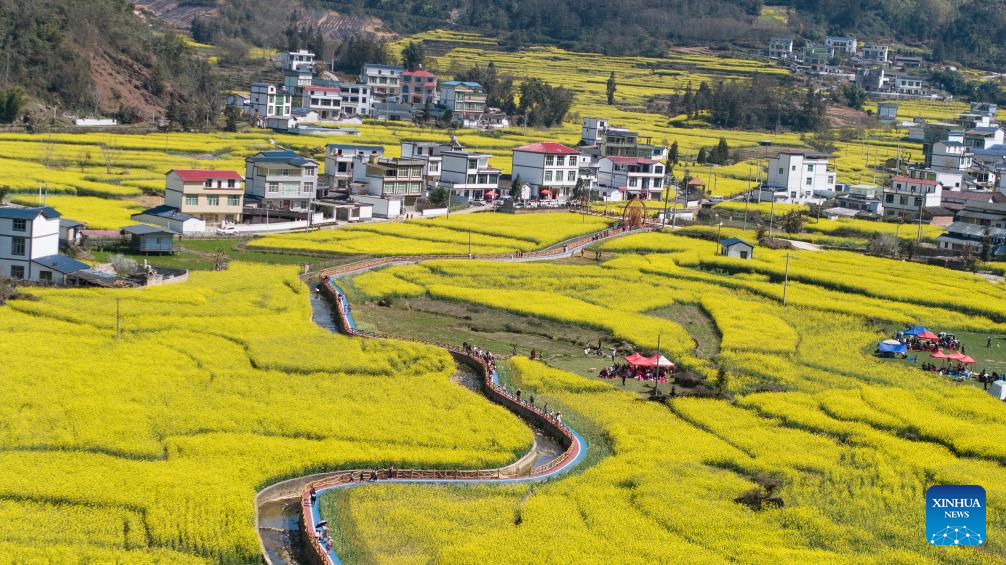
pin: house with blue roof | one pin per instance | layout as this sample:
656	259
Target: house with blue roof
466	100
736	247
29	246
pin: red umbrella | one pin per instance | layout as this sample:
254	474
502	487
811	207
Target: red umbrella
491	193
928	335
545	191
967	360
939	355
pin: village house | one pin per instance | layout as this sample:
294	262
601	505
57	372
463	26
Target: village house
29	246
215	197
736	248
908	198
295	60
389	178
841	46
268	101
977	223
817	57
621	177
384	81
909	85
877	54
468	175
887	111
617	141
950	160
780	48
142	238
550	169
418	87
325	100
354	99
340	159
294	83
171	218
798	176
430	152
281	180
465	100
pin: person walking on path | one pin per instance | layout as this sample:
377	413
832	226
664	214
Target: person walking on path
988	342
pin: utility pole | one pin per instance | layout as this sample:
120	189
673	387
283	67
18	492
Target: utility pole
747	198
469	242
785	281
771	217
667	192
922	203
719	242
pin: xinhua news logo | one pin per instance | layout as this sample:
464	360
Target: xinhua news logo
955	515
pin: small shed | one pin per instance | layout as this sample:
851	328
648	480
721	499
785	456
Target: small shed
150	239
737	248
887	111
70	231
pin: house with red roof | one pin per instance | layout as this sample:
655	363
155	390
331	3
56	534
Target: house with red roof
620	177
549	168
213	196
910	197
418	87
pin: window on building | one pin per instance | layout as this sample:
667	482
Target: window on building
21	225
212	200
45	276
632	181
310	171
232	183
16	272
233	200
810	181
208	183
17	246
548	175
549	160
793	168
308	187
810	168
272	187
571	175
191	200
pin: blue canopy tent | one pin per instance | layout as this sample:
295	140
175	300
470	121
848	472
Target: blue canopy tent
891	349
917	330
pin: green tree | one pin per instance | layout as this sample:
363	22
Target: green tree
515	185
703	156
232	116
792	221
12	102
413	56
674	155
440	196
544	104
854	96
611	88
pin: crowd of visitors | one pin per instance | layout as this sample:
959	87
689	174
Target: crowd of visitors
626	371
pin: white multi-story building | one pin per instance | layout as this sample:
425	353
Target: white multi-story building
841	45
612	140
214	197
550	169
325	100
907	197
281	180
795	175
630	177
430	152
295	82
384	81
29	246
295	60
875	53
909	85
268	101
780	48
468	175
356	99
340	159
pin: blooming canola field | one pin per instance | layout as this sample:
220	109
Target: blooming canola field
150	446
848	442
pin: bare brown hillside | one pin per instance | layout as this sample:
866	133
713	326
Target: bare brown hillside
331	23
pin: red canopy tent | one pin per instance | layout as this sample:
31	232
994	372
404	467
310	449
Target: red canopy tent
939	355
928	335
957	356
967	360
659	361
637	360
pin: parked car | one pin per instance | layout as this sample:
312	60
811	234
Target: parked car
227	229
478	202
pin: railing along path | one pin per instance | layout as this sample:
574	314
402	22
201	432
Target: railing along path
574	445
